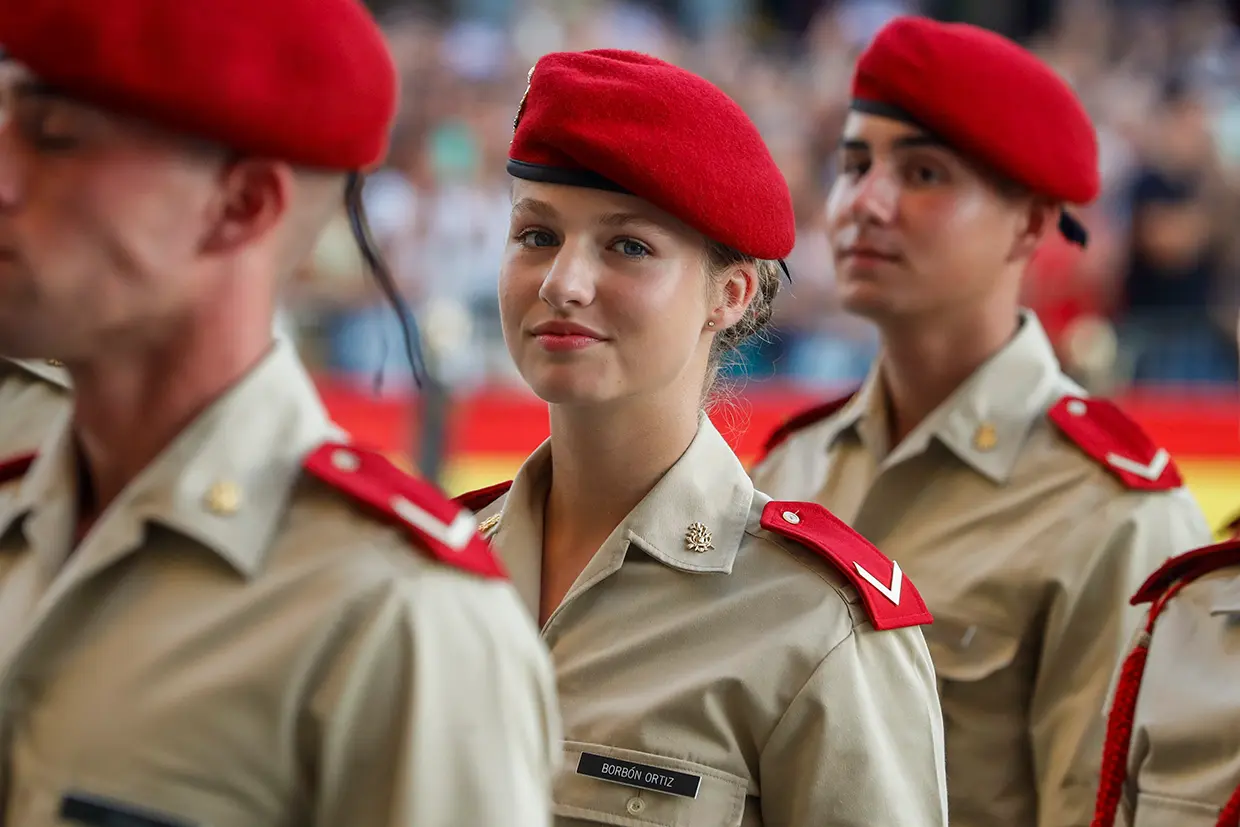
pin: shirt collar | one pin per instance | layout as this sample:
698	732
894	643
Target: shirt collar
46	370
695	517
225	480
985	421
693	520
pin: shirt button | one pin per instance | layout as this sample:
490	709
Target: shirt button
635	805
346	461
791	517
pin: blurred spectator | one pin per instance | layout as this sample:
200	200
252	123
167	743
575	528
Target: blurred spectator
1175	262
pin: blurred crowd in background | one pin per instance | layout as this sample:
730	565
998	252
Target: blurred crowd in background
1152	300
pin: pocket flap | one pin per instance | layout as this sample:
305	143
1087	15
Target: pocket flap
969	652
624	787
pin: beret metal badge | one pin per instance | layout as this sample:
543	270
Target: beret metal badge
529	78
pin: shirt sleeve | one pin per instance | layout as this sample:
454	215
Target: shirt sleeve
439	710
862	741
1087	633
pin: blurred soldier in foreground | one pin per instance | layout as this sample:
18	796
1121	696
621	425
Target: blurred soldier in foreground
216	611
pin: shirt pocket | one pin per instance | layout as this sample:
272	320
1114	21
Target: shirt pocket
599	784
1164	811
966	655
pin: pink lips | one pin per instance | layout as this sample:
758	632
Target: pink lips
559	337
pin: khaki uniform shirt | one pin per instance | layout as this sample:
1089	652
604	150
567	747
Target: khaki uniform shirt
32	395
237	644
1184	762
726	661
1026	551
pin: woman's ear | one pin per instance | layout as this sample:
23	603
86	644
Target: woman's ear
735	291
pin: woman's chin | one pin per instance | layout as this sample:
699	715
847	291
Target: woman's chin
560	385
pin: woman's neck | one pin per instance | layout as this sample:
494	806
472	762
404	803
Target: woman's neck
604	461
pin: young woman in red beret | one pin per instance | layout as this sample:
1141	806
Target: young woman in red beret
722	659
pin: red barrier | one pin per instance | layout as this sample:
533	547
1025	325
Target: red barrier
1196	424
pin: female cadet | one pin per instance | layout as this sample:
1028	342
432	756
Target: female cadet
722	659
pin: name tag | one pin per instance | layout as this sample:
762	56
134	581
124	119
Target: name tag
639	775
95	811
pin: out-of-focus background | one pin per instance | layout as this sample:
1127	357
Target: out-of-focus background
1147	314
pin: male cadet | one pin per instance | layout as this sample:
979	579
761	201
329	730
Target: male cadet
1172	756
33	394
1025	512
214	611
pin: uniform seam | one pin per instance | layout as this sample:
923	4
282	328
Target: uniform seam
841	589
804	688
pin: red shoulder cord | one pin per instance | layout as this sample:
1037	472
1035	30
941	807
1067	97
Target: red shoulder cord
1120	722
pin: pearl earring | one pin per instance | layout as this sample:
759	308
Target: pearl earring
710	324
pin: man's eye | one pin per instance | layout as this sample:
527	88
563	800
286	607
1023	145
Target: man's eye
47	129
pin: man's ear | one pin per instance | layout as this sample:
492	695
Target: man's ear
1040	217
254	197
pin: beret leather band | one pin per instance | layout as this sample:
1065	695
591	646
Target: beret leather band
884	110
562	175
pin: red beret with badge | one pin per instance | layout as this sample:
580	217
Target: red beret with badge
306	81
988	98
630	123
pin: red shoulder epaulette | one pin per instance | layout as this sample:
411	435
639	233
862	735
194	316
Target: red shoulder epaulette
1112	438
439	525
890	598
1158	589
477	500
1187	567
801	420
14	467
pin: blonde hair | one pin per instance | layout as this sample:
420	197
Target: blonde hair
720	259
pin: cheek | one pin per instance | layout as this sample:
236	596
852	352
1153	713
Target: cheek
837	213
518	291
126	220
158	229
929	218
661	311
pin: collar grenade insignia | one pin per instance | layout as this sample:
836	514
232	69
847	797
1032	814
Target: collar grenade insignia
488	524
698	539
529	78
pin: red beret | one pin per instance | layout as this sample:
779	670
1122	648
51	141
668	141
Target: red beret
306	81
986	97
632	123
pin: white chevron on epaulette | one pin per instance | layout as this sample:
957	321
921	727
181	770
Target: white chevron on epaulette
1150	471
455	535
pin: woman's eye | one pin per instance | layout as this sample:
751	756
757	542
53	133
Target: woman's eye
631	249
